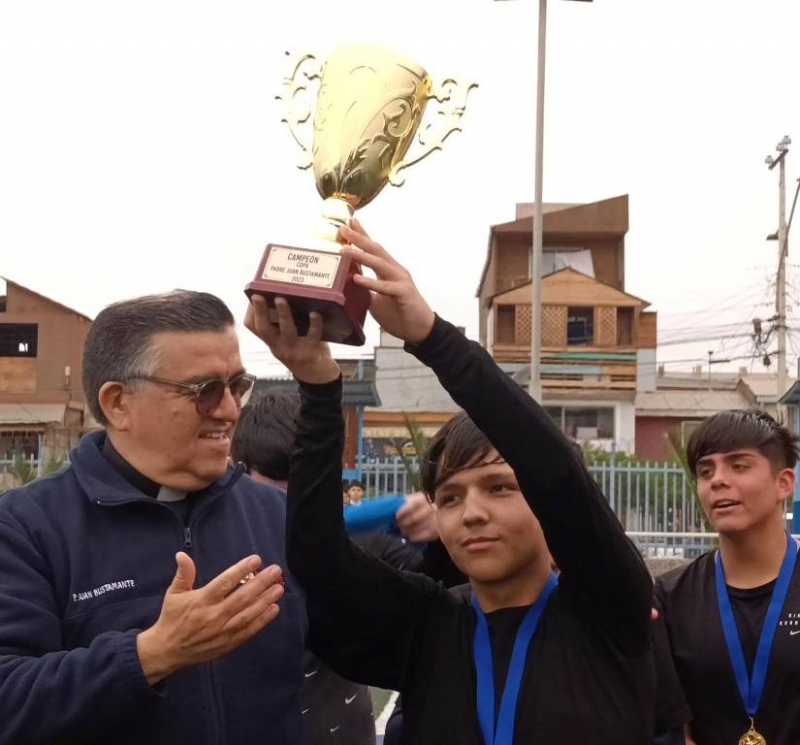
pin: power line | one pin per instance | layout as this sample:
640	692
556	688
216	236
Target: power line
739	298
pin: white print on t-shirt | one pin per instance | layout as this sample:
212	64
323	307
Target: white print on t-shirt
96	592
792	621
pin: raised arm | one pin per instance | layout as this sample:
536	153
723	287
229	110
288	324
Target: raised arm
587	542
361	611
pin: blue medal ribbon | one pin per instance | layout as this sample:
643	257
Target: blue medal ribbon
750	689
503	733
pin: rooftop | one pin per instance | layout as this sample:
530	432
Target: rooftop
354	392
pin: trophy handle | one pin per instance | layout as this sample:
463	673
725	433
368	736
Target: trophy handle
451	97
296	105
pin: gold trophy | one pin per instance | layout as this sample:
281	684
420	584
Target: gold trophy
369	108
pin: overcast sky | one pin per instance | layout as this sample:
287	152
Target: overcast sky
141	148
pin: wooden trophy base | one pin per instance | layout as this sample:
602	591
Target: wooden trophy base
314	281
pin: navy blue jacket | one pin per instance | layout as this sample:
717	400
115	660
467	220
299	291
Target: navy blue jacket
85	560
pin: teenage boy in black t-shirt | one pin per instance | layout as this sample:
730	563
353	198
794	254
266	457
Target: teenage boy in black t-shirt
733	615
528	659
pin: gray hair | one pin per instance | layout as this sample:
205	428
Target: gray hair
118	345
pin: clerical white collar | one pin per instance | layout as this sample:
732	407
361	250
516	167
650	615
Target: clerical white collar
168	494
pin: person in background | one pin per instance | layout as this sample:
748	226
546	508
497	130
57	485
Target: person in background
733	614
356	492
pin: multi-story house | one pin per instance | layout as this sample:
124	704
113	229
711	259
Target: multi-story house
42	405
598	340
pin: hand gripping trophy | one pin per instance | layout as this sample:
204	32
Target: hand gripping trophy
367	129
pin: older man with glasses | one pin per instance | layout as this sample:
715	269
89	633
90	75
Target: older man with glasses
102	638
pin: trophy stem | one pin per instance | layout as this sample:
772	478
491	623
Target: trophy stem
335	212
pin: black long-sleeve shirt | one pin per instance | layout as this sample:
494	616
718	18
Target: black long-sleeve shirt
589	674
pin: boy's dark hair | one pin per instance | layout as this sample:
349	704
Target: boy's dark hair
743	429
356	482
458	444
265	435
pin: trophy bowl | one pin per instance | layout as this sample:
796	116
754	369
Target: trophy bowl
369	111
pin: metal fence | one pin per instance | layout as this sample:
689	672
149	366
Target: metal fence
657	505
655	502
650	497
19	470
22	469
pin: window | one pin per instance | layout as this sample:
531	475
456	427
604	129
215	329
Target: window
556	259
505	324
589	423
584	422
687	427
580	326
624	327
15	444
18	339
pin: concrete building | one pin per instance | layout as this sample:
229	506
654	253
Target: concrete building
409	392
681	400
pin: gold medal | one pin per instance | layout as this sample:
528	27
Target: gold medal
751	737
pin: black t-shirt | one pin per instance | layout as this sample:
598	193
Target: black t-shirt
688	600
503	626
671	710
335	711
589	676
749	611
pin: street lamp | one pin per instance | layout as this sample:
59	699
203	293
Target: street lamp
535	385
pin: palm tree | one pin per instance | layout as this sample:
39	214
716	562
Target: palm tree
419	445
679	453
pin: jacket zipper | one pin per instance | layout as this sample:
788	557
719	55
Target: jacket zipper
188	542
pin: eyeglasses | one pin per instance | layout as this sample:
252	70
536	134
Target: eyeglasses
208	394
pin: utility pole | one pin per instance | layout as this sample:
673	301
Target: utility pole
784	145
780	290
535	385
